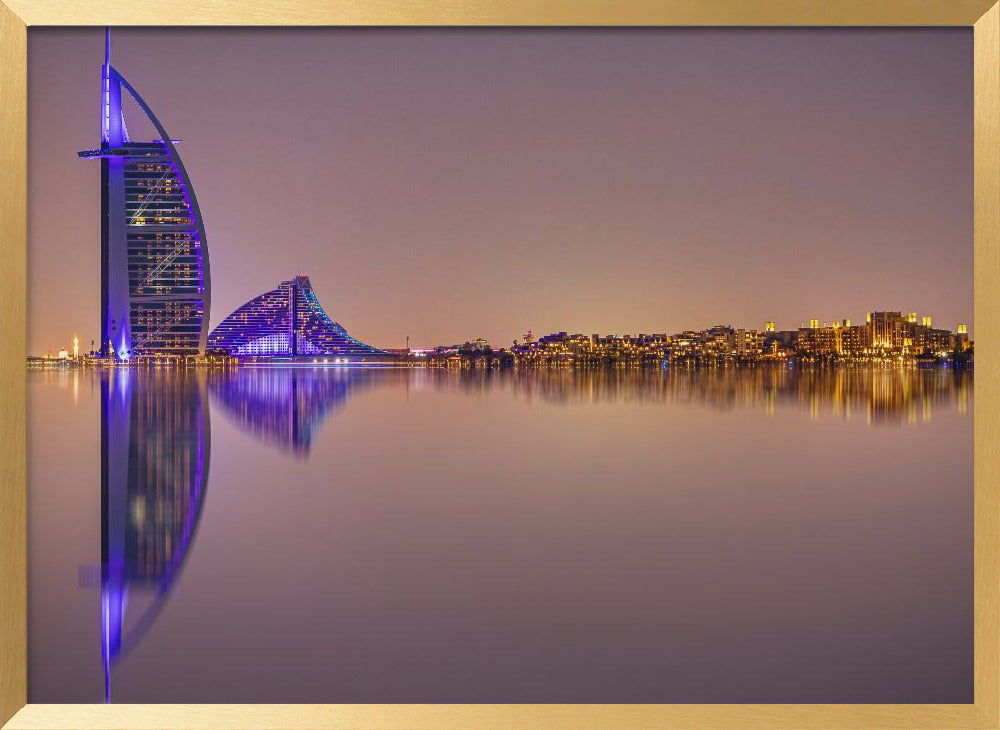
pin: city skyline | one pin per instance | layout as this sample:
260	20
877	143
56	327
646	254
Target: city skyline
765	328
596	189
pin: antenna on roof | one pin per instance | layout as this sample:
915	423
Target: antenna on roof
107	45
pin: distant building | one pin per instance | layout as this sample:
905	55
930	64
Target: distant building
817	341
888	330
749	343
481	345
962	338
855	341
892	334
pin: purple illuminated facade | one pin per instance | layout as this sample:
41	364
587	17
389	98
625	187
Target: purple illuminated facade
155	284
287	322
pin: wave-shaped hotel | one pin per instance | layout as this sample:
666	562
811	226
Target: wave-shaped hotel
155	283
288	322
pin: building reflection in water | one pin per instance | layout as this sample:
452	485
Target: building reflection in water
882	396
285	407
154	472
155	438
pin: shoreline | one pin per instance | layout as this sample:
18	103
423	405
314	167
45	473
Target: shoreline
495	364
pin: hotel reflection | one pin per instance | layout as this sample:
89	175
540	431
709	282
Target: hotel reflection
154	475
155	438
286	407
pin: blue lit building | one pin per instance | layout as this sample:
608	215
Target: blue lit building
155	284
288	322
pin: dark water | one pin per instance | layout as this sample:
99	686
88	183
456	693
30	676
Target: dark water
349	535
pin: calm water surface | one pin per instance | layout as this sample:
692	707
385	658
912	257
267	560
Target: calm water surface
349	535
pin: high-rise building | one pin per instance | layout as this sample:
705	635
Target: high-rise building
155	284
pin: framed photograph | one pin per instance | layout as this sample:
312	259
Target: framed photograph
499	366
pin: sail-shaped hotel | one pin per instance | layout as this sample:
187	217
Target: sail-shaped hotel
155	283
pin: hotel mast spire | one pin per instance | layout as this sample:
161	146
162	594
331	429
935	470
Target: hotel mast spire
106	89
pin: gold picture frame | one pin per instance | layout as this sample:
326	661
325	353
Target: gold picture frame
15	18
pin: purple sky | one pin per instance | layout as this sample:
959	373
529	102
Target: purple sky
449	184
